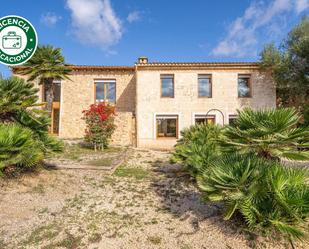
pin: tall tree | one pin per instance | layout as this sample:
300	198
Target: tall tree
289	67
46	65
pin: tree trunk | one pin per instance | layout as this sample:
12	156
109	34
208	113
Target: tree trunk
49	94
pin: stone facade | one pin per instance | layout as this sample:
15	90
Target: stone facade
138	98
78	94
186	103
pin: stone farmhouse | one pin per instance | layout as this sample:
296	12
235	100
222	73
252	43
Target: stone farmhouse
155	101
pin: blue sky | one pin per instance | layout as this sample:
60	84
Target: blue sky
116	32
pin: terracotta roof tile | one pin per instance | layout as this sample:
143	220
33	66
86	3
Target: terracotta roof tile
77	67
198	65
90	67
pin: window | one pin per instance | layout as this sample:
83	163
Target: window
105	90
201	119
232	119
204	86
56	91
167	86
244	86
167	126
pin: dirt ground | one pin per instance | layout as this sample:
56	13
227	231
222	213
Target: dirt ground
146	203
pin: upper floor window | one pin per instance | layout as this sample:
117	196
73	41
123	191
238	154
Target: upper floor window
244	86
204	86
56	91
167	85
105	90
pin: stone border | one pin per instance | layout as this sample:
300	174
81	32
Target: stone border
110	169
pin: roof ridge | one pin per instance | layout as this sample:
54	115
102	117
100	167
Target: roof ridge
211	62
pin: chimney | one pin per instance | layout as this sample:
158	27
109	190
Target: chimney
142	60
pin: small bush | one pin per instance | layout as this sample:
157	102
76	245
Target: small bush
99	120
24	129
16	95
272	134
197	147
39	123
272	199
18	148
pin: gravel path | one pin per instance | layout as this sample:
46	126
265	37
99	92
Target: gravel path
146	203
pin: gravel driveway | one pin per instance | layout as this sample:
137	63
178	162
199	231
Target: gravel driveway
146	203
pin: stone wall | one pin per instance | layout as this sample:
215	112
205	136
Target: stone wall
123	134
78	94
186	102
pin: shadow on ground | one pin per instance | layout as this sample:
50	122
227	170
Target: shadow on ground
180	196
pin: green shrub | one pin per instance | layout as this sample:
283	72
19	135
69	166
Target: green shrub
18	148
272	134
15	95
197	147
18	100
272	199
39	122
23	128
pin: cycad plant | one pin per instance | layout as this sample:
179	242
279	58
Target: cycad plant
197	146
39	122
24	129
16	95
18	100
272	199
46	65
272	134
18	147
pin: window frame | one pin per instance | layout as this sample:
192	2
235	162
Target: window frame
43	93
201	116
173	82
105	81
232	116
245	76
166	116
209	76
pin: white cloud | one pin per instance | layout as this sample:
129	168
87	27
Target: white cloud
243	33
50	19
134	16
95	22
301	5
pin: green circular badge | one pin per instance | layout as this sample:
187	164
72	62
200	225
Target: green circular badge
18	40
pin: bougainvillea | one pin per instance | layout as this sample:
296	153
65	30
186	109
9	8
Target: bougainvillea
100	125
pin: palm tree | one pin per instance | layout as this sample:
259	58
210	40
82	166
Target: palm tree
18	147
46	65
15	95
272	199
272	134
197	146
18	99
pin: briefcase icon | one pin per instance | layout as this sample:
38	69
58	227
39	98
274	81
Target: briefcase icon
11	41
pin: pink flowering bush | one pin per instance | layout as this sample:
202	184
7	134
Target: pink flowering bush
99	120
